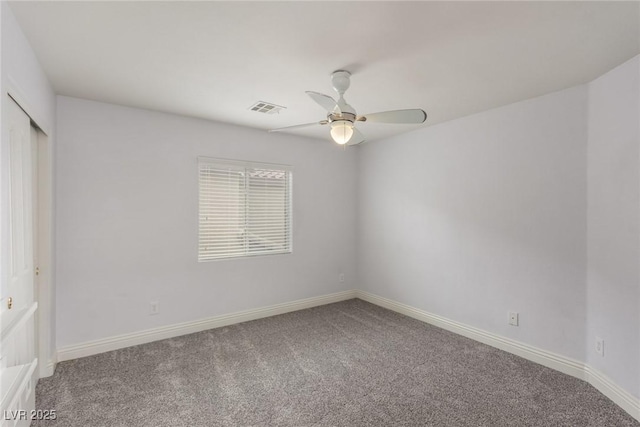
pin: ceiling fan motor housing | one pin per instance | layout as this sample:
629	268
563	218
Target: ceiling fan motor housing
345	116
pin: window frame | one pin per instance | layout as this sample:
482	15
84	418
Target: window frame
246	166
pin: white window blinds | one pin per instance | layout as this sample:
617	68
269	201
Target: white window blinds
245	209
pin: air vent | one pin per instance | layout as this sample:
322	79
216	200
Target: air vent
266	107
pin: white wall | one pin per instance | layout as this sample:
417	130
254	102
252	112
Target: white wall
533	207
613	280
127	221
475	217
22	76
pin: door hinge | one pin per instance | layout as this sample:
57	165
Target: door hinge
37	271
10	303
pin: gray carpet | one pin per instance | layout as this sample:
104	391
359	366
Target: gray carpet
344	364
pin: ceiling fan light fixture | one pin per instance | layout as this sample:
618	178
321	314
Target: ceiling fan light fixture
341	131
342	116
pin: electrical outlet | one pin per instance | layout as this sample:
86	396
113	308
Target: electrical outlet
600	346
154	308
514	318
341	277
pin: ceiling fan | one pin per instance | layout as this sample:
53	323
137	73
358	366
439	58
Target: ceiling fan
341	116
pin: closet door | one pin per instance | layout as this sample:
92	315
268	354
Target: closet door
17	307
19	286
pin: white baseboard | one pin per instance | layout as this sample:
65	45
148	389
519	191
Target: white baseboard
543	357
605	385
618	395
127	340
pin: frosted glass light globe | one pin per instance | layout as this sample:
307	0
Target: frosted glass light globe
341	131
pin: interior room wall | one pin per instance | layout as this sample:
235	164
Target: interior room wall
23	77
533	207
483	215
127	221
613	176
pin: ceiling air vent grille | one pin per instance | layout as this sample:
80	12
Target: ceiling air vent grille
266	107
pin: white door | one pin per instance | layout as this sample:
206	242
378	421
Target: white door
19	286
18	361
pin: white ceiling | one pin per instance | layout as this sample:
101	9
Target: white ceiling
215	59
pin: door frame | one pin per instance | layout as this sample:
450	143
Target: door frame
44	282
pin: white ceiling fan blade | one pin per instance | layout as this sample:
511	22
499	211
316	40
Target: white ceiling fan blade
415	116
322	122
356	138
325	101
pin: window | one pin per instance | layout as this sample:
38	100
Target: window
245	209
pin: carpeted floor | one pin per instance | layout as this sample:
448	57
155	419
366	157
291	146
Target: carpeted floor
344	364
